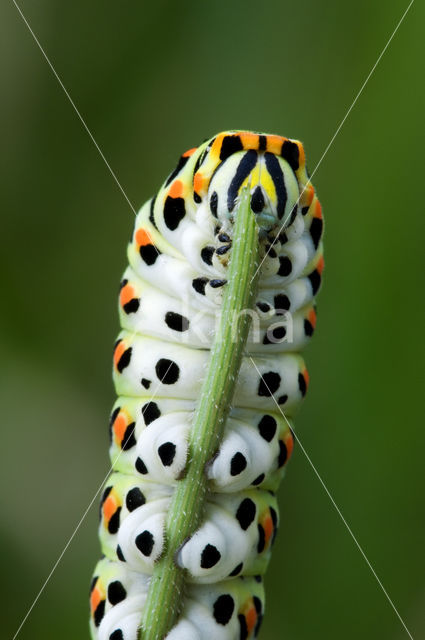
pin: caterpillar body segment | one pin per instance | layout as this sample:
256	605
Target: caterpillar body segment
169	305
218	611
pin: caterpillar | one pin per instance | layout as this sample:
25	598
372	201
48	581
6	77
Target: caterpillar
170	296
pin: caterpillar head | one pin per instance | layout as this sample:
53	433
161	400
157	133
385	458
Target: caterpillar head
272	167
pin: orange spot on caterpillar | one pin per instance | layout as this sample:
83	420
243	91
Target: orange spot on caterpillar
198	182
312	318
268	528
318	210
120	425
274	144
320	265
251	619
250	140
307	195
289	443
176	189
96	596
119	350
127	293
189	152
143	238
306	377
216	147
109	507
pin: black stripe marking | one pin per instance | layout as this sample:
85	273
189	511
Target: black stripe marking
245	166
124	360
128	440
262	143
293	215
93	583
182	161
230	145
315	279
99	613
113	417
316	229
105	494
151	216
291	154
114	521
202	156
198	162
276	173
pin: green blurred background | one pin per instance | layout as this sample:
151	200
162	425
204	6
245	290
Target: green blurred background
151	80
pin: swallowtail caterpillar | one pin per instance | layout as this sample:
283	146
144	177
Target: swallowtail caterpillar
200	433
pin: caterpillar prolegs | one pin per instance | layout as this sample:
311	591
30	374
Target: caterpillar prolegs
170	297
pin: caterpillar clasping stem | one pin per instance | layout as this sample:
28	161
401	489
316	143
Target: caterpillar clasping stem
210	342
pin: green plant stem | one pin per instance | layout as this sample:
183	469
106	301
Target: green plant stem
166	591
